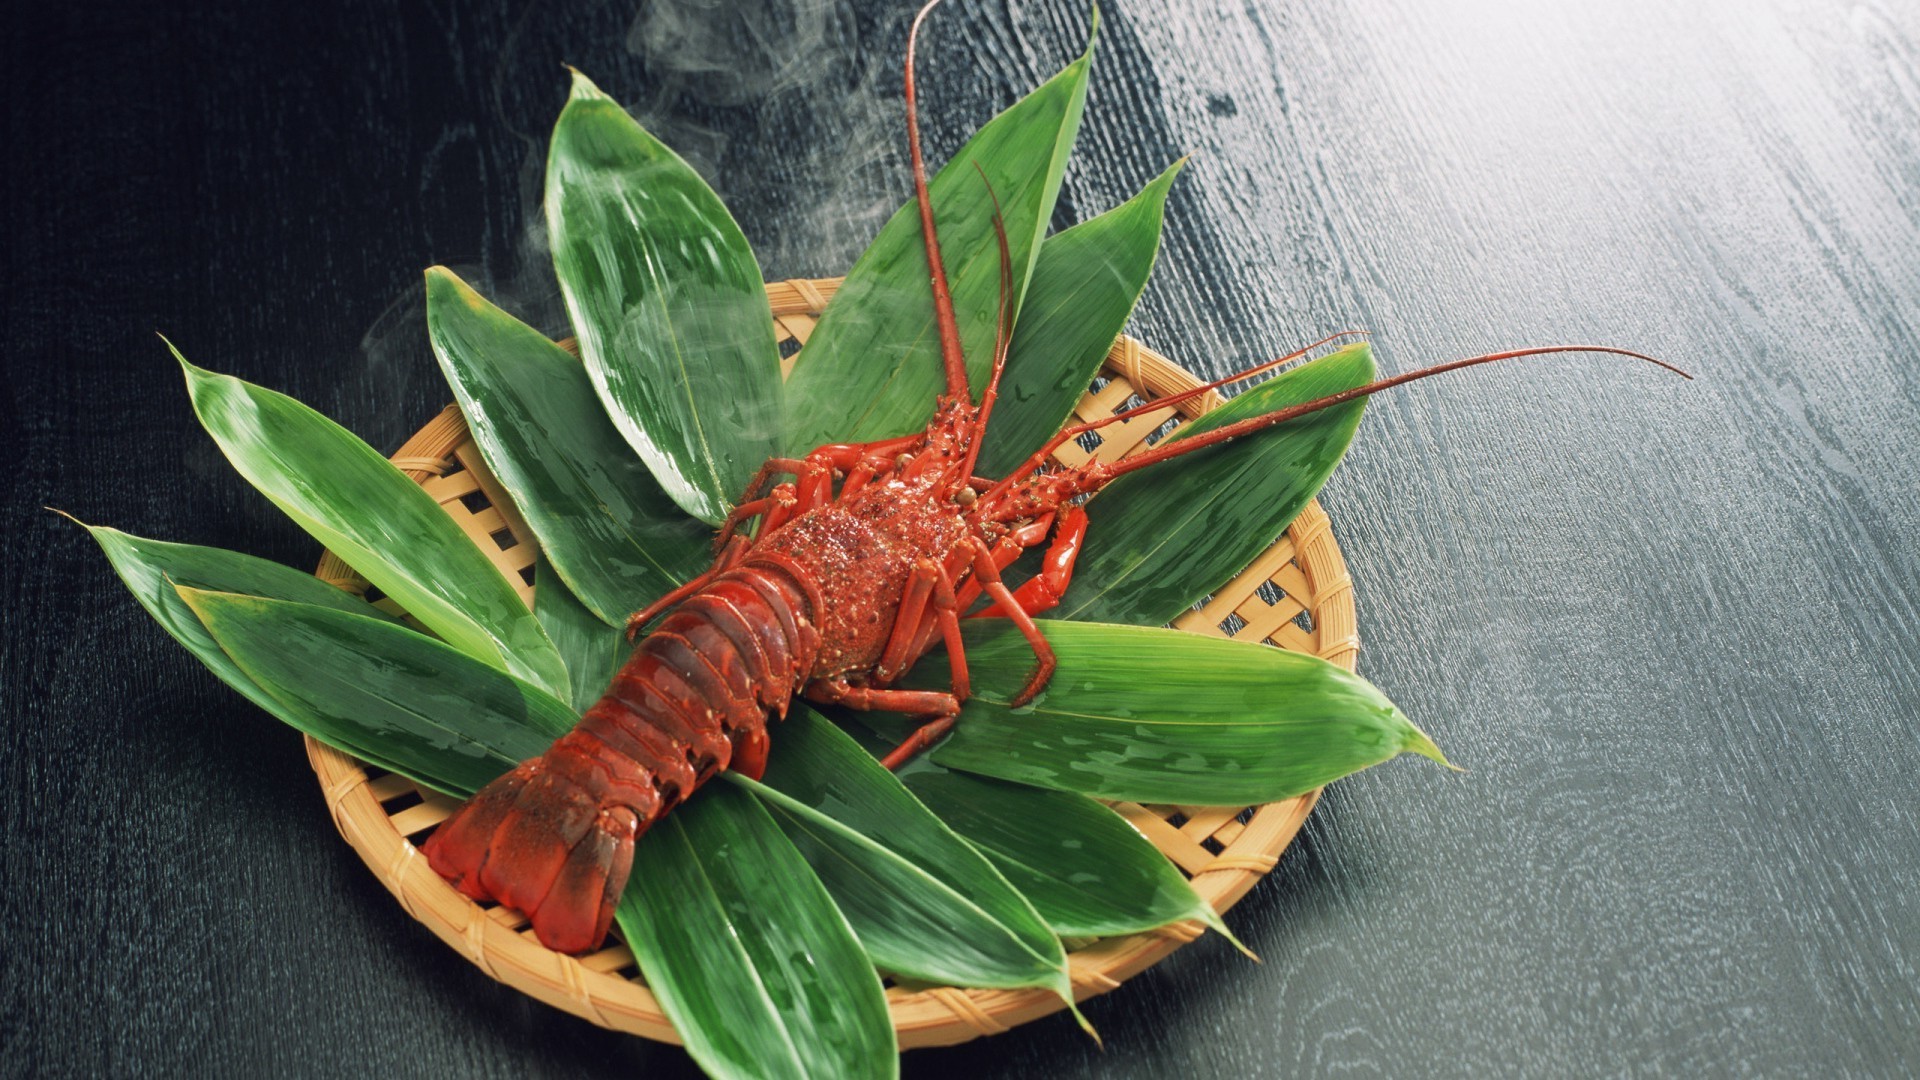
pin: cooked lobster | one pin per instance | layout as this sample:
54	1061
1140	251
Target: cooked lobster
862	562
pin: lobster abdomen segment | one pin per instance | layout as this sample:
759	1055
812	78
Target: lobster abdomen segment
554	837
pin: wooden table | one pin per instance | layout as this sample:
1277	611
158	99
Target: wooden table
1669	628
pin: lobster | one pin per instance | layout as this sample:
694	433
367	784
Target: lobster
833	596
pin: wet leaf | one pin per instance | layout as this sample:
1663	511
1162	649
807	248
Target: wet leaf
152	569
592	650
1088	872
1084	286
872	367
1163	716
1160	539
923	902
599	514
382	692
667	302
353	500
753	963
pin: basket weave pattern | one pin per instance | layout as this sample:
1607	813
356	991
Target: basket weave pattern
1296	595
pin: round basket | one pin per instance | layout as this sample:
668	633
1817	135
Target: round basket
1296	595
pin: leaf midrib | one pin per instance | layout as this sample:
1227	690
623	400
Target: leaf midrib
794	809
711	900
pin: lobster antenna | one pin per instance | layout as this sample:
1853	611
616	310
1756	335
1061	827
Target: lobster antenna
1003	331
1101	476
950	355
1074	431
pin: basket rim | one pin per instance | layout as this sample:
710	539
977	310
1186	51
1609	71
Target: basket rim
497	942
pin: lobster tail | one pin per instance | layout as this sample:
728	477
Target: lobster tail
538	840
554	837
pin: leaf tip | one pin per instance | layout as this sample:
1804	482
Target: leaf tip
69	517
1418	742
1219	926
1086	1025
443	284
186	364
583	88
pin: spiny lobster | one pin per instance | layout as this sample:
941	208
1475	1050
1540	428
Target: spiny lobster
834	596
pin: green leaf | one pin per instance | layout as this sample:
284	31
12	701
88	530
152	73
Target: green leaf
1084	286
381	691
667	302
1088	872
923	902
1164	716
611	532
751	960
152	569
592	649
1160	539
348	497
872	367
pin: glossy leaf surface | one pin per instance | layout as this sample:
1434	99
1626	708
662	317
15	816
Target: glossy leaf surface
1163	716
1084	286
872	367
1088	872
667	302
923	901
747	953
353	500
1162	538
152	569
601	517
593	651
381	691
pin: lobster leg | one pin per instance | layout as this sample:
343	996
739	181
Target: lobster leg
751	504
869	699
946	614
984	568
908	620
917	743
1043	591
729	555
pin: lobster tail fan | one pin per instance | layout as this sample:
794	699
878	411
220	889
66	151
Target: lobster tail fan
457	850
548	819
539	840
578	909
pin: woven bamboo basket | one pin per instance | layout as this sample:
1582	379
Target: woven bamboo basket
1296	595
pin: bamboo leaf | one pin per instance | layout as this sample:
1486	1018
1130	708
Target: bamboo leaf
601	517
1162	538
923	902
1084	286
592	650
747	953
381	691
872	367
1163	716
667	302
152	568
348	497
1088	872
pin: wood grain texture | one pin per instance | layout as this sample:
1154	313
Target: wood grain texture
1670	628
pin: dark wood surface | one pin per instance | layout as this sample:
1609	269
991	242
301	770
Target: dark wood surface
1669	628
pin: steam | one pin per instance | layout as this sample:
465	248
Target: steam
813	94
790	109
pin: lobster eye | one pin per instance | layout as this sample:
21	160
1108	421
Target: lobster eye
966	496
